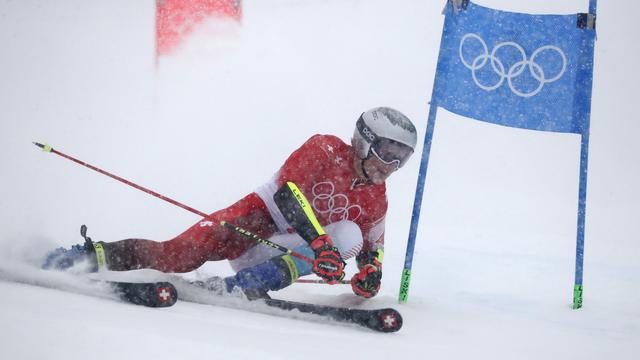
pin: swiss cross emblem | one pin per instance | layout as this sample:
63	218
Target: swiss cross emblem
389	321
164	294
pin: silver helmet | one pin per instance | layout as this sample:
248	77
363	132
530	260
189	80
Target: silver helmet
385	133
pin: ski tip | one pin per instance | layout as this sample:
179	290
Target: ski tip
158	294
166	294
389	320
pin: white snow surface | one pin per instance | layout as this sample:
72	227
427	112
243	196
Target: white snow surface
494	261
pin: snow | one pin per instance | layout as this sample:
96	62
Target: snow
493	270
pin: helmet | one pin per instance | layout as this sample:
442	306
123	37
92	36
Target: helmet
386	133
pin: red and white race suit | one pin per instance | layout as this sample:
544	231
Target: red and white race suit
322	168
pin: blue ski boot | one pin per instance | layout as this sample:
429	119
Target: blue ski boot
63	259
274	274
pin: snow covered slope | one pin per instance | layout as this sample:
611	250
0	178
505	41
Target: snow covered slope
493	270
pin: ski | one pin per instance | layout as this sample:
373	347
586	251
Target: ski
383	320
151	294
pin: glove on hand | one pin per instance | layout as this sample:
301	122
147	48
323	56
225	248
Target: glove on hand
328	263
366	283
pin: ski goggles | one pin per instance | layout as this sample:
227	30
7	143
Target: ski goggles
386	150
391	152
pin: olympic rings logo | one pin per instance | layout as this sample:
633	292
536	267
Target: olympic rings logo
515	70
335	205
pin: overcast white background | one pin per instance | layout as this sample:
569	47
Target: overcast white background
493	271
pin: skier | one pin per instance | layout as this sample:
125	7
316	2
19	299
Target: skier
345	186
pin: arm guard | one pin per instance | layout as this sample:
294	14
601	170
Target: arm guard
298	212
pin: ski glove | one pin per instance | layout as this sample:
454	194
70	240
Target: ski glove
328	263
366	283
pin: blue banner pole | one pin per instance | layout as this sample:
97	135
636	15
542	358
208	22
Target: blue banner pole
593	5
417	203
582	110
439	86
582	203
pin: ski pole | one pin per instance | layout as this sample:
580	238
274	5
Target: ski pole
278	247
266	242
48	148
318	281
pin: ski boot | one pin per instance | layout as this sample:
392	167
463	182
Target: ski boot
227	287
255	281
63	259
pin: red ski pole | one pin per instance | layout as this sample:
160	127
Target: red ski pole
48	148
319	281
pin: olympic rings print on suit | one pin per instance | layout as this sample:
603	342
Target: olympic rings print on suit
515	70
336	205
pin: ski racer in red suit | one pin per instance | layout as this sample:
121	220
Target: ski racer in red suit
344	184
